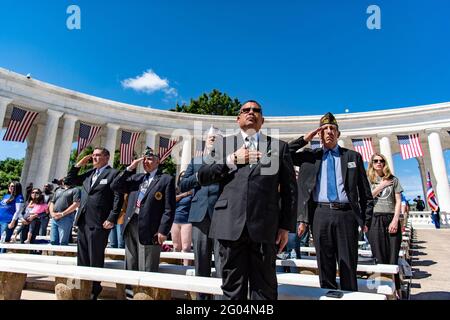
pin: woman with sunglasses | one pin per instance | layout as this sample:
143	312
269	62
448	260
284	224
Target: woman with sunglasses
31	217
385	235
11	205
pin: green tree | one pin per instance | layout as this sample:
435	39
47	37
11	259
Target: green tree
169	166
213	103
74	159
10	170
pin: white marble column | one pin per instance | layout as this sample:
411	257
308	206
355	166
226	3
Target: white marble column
4	102
440	172
35	161
341	142
186	153
111	139
48	147
31	138
65	148
386	151
151	137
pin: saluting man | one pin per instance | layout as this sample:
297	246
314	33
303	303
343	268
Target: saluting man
334	197
150	211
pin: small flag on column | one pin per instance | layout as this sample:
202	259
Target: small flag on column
165	147
315	144
364	147
431	197
410	146
86	134
19	125
127	143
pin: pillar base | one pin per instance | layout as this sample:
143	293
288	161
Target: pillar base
11	285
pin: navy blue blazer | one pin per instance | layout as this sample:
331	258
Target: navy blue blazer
204	198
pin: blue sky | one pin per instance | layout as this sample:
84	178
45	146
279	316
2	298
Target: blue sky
295	57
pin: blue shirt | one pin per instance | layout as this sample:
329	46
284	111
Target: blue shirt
320	192
7	210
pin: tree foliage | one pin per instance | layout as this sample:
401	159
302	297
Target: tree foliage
213	103
169	167
10	170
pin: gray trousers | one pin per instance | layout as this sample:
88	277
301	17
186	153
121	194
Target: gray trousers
203	249
139	257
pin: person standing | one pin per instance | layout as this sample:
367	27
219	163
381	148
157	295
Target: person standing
200	214
256	207
48	195
150	211
11	206
99	209
181	231
62	209
385	233
420	204
334	198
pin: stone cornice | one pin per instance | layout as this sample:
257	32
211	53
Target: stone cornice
41	96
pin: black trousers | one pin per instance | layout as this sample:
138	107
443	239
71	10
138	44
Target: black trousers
245	263
335	235
385	246
91	246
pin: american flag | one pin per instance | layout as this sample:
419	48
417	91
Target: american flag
127	143
165	148
364	147
199	148
315	144
19	125
86	134
410	146
431	197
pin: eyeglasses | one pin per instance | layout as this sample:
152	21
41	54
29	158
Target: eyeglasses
378	161
247	110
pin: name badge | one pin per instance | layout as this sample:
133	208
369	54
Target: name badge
351	165
104	181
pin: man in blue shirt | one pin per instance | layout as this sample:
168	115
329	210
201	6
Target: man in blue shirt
334	198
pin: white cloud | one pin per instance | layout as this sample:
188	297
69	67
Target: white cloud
149	82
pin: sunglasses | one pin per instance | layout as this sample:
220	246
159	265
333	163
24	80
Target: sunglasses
35	192
247	110
378	161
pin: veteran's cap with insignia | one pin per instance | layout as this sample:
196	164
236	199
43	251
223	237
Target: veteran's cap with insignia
328	118
149	152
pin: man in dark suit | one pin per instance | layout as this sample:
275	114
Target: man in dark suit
334	197
99	209
256	208
150	211
200	214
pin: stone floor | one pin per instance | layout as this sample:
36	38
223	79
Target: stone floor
431	265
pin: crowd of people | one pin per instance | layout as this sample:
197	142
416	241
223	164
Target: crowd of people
242	201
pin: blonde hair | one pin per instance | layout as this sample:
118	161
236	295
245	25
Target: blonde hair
372	174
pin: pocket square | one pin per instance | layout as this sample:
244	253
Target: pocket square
104	181
351	165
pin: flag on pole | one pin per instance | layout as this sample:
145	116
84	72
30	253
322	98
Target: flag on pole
165	148
365	147
86	134
315	144
127	143
431	197
19	125
410	146
199	148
